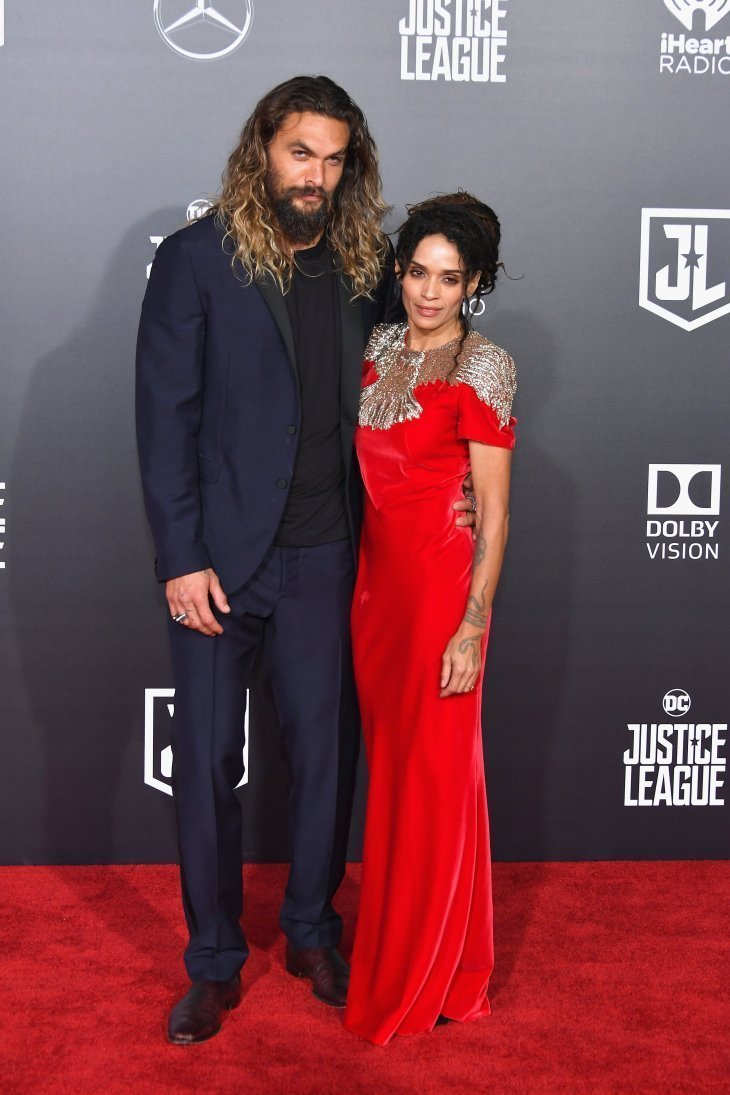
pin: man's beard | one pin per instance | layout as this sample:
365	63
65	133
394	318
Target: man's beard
299	226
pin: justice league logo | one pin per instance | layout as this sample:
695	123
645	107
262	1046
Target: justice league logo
454	40
678	763
201	32
685	265
2	525
159	711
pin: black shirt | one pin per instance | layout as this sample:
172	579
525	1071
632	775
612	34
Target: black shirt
315	510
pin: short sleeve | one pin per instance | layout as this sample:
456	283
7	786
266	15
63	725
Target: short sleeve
477	421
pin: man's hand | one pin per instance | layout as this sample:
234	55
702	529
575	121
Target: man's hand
190	594
466	506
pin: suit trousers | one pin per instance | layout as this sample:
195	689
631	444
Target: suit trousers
297	606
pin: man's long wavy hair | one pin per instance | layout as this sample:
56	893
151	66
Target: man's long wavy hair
244	209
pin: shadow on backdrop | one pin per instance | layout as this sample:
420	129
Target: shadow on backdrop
527	660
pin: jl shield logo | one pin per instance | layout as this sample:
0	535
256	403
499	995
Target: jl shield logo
159	711
712	10
201	31
685	265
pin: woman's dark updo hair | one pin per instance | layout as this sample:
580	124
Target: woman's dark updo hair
469	224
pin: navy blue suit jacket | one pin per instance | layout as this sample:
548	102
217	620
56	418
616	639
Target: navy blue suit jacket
218	407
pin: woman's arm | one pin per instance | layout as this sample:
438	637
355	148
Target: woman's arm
462	660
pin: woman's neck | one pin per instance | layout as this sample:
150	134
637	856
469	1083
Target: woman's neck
418	339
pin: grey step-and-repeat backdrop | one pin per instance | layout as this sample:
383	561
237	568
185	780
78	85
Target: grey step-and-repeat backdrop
598	131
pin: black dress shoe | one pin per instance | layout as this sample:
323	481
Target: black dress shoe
326	969
199	1014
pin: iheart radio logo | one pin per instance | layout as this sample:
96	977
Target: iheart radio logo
713	11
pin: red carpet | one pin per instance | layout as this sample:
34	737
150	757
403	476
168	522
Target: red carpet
611	977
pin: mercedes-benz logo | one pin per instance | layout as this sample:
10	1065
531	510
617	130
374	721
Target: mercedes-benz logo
202	32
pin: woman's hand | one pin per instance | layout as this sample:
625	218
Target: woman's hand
462	661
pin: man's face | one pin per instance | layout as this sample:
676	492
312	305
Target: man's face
306	158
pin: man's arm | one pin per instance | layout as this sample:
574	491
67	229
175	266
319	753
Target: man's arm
170	352
169	399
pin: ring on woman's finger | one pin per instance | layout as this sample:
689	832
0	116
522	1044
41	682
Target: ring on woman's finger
180	618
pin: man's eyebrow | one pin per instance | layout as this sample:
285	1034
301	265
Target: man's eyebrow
305	148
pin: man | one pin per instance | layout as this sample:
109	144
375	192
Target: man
248	367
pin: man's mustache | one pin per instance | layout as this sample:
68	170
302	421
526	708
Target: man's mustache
308	192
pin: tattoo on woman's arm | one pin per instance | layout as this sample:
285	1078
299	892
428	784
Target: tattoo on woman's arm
476	608
480	549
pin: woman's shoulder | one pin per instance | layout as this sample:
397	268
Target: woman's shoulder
489	371
384	335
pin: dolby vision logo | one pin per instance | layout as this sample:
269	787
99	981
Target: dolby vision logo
683	508
691	490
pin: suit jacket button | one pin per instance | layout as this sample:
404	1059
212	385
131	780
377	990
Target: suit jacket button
291	429
281	483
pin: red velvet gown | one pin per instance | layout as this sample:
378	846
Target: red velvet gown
423	945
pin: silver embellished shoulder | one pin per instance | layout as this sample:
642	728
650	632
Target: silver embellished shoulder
382	336
486	368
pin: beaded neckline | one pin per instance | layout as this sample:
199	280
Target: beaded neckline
390	399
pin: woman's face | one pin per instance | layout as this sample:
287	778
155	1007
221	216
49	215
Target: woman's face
434	286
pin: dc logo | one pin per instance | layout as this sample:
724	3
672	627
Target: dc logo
687	489
676	702
198	30
159	711
712	10
685	264
198	209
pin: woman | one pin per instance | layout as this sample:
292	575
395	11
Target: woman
435	405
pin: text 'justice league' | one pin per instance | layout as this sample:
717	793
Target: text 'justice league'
675	764
459	40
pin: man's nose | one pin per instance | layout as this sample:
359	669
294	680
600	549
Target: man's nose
315	174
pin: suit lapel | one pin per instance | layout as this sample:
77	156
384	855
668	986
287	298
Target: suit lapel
351	327
273	296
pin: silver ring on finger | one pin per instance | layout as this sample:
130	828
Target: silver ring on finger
471	499
180	618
